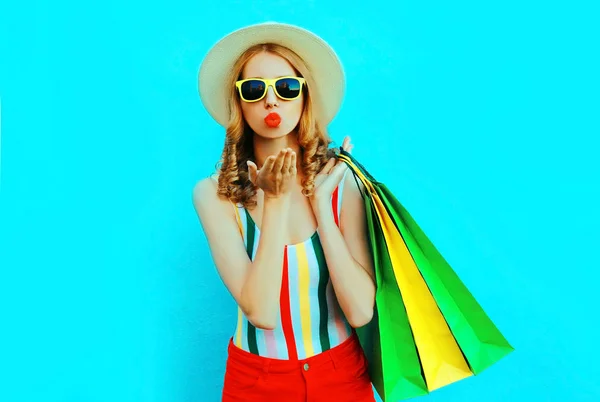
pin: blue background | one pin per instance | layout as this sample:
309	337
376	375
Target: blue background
482	118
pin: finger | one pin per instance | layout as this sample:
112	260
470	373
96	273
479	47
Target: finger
350	145
279	161
252	171
338	172
345	143
293	170
328	166
287	162
268	166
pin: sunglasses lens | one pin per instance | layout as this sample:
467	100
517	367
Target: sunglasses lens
253	90
288	88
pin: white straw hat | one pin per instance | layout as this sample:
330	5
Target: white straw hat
321	60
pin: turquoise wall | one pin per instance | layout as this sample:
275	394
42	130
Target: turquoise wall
481	117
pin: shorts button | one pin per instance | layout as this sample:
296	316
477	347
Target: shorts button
305	366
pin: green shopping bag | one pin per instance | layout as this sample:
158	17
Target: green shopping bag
479	339
387	341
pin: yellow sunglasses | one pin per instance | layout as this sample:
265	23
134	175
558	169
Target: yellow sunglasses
254	89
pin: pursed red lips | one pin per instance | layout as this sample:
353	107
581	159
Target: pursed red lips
273	119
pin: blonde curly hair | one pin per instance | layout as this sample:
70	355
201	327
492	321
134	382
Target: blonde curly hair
233	180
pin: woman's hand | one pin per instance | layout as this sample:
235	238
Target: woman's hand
277	175
328	179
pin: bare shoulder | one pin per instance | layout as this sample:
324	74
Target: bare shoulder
205	191
206	200
353	222
353	187
353	207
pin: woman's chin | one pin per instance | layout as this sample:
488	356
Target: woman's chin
273	132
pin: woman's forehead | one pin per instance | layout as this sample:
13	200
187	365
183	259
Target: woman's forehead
267	65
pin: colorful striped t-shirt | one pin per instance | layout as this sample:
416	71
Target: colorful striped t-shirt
310	320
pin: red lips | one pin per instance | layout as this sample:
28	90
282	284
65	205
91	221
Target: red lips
273	120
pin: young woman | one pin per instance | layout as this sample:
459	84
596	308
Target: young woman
285	224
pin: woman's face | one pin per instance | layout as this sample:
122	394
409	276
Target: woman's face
262	116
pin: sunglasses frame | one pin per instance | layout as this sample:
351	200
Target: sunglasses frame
269	82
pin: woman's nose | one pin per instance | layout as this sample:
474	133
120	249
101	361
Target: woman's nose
271	98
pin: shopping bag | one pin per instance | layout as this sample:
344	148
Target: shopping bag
387	340
442	361
480	340
417	262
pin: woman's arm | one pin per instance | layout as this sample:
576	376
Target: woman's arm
348	255
255	285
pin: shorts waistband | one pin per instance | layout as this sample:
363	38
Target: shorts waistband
336	354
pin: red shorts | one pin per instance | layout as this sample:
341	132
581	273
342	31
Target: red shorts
339	374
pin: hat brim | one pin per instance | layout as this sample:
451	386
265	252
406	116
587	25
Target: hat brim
321	60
